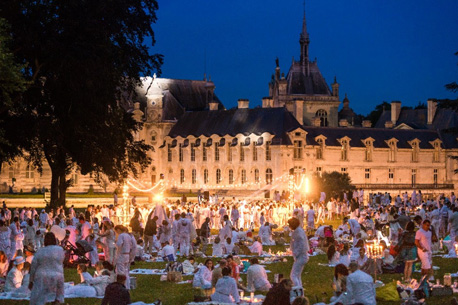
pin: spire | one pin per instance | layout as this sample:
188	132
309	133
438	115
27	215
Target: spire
304	41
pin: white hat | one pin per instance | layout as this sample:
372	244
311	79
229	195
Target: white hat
19	260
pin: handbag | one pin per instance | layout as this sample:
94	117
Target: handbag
174	276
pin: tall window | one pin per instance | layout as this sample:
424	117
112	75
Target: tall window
169	152
218	176
414	177
256	175
368	151
435	177
269	176
436	155
180	153
75	178
194	176
297	149
319	171
320	149
415	149
391	175
243	176
229	152
29	174
344	150
392	150
204	153
268	151
323	115
216	151
181	176
343	170
367	173
11	172
231	176
193	152
242	153
205	176
255	152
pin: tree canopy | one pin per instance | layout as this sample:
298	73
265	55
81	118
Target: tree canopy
82	57
334	184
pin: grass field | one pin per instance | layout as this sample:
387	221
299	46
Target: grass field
317	282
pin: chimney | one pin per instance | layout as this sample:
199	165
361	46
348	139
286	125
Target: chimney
389	124
432	107
267	102
299	113
367	124
343	123
213	106
243	103
395	111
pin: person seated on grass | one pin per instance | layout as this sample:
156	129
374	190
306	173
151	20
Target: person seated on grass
333	255
355	250
257	277
100	283
98	269
3	264
279	294
23	291
339	281
110	268
139	251
345	255
226	288
82	271
229	246
387	257
203	277
217	273
15	276
360	286
256	247
189	265
168	252
217	247
116	293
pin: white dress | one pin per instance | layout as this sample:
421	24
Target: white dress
47	275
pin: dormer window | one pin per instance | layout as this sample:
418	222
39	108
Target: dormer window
415	149
369	144
344	148
392	145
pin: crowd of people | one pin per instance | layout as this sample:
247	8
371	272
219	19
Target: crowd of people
33	244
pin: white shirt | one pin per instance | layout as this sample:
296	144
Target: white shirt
424	238
360	288
257	278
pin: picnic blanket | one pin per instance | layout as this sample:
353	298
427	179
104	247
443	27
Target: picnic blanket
151	272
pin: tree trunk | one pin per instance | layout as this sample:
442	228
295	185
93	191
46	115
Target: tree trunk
62	188
54	187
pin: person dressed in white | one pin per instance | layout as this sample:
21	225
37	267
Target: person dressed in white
47	273
123	249
424	244
226	289
257	277
300	249
265	232
203	277
355	227
256	247
184	235
14	277
360	287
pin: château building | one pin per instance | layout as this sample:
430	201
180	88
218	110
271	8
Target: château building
199	145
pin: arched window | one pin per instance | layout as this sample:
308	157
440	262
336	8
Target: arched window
182	176
205	176
256	175
218	176
268	176
194	176
243	176
231	176
323	115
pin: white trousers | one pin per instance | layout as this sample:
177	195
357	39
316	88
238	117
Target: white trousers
296	271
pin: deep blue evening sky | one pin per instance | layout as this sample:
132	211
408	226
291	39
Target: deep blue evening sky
379	50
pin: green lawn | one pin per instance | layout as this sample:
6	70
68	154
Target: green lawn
317	282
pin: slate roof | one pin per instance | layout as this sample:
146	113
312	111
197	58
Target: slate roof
380	135
179	95
314	84
276	121
418	119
